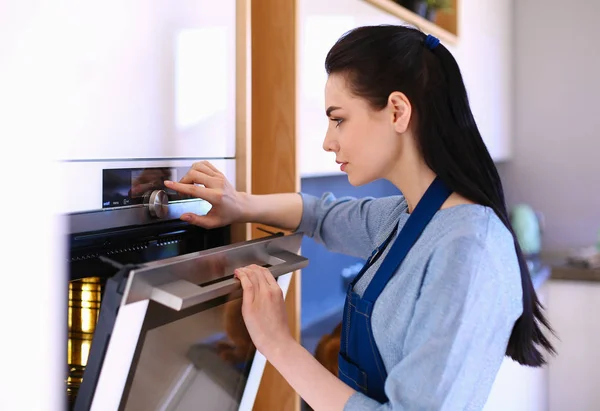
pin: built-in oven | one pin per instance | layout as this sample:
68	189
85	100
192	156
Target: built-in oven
154	313
148	104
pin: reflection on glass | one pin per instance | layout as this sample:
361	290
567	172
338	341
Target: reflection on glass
202	360
146	180
83	311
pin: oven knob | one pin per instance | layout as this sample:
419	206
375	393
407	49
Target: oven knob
158	204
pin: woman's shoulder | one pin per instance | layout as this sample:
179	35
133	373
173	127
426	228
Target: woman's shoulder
476	251
476	234
474	222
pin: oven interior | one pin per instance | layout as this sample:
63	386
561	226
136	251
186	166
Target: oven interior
88	273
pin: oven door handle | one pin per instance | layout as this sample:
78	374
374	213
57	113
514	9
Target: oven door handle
181	294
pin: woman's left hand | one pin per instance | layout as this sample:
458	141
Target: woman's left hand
263	309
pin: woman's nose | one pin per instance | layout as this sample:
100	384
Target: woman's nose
330	144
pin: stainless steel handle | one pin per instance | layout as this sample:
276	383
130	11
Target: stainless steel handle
182	294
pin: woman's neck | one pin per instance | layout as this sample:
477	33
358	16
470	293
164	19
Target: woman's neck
412	177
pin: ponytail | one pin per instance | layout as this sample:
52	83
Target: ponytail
480	182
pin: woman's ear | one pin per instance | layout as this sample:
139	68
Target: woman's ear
401	111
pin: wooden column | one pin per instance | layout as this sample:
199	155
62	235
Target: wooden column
243	120
266	141
274	168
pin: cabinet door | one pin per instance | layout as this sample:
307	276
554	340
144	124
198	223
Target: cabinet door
320	24
574	374
152	79
484	53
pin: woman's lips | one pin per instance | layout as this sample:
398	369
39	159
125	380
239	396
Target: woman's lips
342	165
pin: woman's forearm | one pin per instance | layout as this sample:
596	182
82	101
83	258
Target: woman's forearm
314	383
283	211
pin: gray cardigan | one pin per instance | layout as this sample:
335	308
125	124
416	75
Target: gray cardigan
443	321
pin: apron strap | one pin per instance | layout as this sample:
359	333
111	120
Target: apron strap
430	203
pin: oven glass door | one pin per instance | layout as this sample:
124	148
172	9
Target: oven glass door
172	338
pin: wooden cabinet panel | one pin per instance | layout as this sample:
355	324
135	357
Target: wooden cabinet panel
274	149
266	141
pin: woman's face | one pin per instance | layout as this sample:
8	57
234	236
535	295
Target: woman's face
367	143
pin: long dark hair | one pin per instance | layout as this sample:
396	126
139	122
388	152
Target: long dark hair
378	60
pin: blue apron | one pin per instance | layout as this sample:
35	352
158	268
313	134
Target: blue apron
360	364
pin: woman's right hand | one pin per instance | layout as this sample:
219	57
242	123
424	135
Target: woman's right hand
217	190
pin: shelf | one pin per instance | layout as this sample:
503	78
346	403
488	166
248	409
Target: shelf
445	27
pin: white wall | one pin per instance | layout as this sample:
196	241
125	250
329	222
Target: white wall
32	295
556	161
483	53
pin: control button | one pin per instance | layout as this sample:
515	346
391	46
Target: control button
158	204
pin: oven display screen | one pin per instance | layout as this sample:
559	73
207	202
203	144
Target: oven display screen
131	186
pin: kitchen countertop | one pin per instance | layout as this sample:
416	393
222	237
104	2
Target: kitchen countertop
572	273
561	270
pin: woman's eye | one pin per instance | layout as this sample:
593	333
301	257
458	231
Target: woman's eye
337	121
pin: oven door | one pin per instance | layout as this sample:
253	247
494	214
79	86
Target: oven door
170	334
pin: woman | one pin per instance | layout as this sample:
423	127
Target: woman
446	293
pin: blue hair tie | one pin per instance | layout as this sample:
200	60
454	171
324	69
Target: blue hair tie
431	42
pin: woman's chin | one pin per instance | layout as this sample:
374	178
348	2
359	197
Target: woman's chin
357	179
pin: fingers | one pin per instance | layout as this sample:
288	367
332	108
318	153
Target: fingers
275	291
199	172
254	277
270	280
264	278
208	194
209	165
203	167
257	280
205	221
194	176
206	168
248	292
202	173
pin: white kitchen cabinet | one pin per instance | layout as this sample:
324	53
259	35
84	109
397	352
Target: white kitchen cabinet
151	80
574	374
485	55
520	388
483	51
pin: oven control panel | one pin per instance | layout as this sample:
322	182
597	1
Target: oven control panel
125	187
158	202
